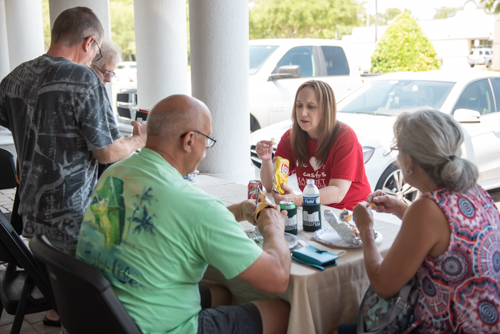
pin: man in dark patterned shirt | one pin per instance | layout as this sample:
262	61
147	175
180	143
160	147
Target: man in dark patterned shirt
62	122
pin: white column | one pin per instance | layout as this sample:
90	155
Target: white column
219	76
161	50
99	7
23	20
4	47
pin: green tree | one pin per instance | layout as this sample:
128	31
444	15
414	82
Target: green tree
442	13
492	5
383	18
404	47
122	26
303	18
46	23
390	14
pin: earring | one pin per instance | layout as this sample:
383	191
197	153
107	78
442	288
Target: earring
408	172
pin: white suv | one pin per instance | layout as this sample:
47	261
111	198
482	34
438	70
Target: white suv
126	72
277	68
481	56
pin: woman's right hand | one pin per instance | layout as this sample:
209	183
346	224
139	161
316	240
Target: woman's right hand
264	149
386	203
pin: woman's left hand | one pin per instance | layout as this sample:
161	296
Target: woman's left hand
289	195
363	216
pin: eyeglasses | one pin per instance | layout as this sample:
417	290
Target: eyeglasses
210	141
106	74
98	47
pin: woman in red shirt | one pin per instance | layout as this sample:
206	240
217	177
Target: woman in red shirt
321	148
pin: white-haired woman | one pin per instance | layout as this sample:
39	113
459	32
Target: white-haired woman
450	236
105	61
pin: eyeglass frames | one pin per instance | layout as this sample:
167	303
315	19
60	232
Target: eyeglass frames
210	142
98	47
106	74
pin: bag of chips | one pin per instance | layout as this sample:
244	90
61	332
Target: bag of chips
262	203
280	173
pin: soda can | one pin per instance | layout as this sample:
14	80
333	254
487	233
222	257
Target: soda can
253	189
291	218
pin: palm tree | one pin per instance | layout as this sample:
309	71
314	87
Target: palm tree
145	197
144	221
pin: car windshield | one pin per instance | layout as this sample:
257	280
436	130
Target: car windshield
258	55
391	97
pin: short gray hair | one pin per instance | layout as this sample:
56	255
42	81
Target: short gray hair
433	140
76	23
110	51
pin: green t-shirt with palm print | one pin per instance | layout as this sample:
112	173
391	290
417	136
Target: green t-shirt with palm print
153	234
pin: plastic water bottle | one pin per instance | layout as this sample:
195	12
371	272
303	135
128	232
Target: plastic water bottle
311	207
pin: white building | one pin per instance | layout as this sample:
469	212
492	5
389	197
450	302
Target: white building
452	37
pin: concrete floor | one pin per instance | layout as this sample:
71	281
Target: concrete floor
32	324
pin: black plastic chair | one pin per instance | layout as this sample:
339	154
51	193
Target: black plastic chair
22	291
7	170
85	299
8	181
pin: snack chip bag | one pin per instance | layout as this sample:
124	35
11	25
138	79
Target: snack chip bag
262	203
280	173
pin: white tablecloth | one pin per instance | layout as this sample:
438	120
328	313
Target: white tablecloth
320	300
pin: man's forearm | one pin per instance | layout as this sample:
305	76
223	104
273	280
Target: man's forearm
119	150
276	246
129	145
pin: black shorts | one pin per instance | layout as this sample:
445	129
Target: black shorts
241	318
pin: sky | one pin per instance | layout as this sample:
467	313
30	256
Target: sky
421	9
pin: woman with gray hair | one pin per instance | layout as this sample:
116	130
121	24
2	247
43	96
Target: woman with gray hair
105	61
449	237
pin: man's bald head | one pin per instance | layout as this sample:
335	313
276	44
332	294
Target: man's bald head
176	115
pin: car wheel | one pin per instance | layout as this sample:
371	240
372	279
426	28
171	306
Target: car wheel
391	182
471	65
254	124
488	65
